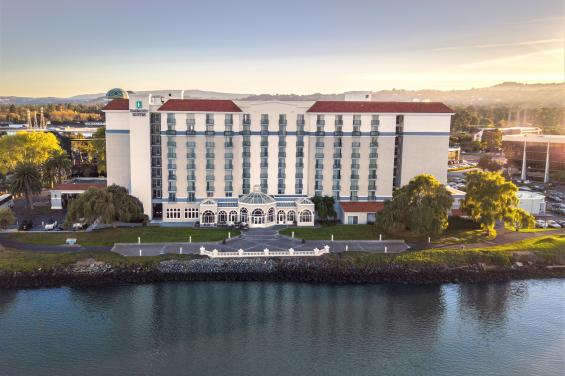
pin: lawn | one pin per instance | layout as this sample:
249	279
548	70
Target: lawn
548	250
371	232
340	232
26	261
107	237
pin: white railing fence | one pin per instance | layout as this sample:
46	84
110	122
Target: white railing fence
265	253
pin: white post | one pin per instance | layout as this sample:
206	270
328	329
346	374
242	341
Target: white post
229	235
346	248
523	176
266	251
190	239
429	239
380	236
386	249
293	234
291	252
332	237
140	252
180	250
546	174
139	240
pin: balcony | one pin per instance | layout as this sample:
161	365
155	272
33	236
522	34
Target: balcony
191	155
356	122
338	133
281	175
375	122
228	144
170	132
320	122
354	176
171	155
191	177
300	143
300	154
209	132
354	188
374	133
228	133
337	155
264	154
210	155
209	167
373	155
190	166
336	187
356	133
190	132
320	133
172	177
282	143
282	154
228	155
264	175
171	166
338	122
172	144
320	144
228	167
245	132
210	178
355	155
319	155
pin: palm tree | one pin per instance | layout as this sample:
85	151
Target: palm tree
57	168
26	180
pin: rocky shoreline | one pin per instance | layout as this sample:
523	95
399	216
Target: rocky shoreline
96	273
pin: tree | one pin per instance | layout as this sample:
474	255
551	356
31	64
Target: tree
7	218
420	206
29	147
489	198
99	144
57	168
26	180
107	205
492	140
487	163
519	218
324	206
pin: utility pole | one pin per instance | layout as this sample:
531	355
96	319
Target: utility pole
546	174
523	176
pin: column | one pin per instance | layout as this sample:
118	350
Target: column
546	174
523	177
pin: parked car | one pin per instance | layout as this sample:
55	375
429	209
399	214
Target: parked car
541	224
553	224
80	225
51	225
561	222
26	225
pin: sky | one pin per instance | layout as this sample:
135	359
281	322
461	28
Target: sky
70	47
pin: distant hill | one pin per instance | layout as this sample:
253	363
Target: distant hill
507	93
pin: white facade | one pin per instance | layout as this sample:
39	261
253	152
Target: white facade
175	154
533	203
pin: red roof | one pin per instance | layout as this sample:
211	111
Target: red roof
362	206
379	107
208	105
117	104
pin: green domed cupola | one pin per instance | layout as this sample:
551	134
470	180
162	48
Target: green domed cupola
117	93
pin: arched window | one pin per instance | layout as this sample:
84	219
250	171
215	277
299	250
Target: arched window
208	217
280	216
290	216
243	215
305	216
222	217
233	216
271	215
258	217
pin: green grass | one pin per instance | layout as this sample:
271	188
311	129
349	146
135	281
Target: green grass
546	250
109	236
24	261
371	232
341	232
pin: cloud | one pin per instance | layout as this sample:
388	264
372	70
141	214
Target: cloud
507	44
529	59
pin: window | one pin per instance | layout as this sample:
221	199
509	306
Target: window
271	215
222	217
243	214
258	217
172	213
191	213
208	217
306	216
352	220
233	216
290	216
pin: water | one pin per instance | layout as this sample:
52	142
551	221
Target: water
513	328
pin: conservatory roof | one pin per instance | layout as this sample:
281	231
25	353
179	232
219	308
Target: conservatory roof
256	198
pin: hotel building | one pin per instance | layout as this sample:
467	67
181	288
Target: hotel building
218	161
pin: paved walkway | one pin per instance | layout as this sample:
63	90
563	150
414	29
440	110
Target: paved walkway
258	240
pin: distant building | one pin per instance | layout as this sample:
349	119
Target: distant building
62	193
478	136
453	154
359	96
536	156
532	202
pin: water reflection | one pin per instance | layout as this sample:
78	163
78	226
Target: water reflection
488	304
283	328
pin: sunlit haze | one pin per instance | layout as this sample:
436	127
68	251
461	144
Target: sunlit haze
64	48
